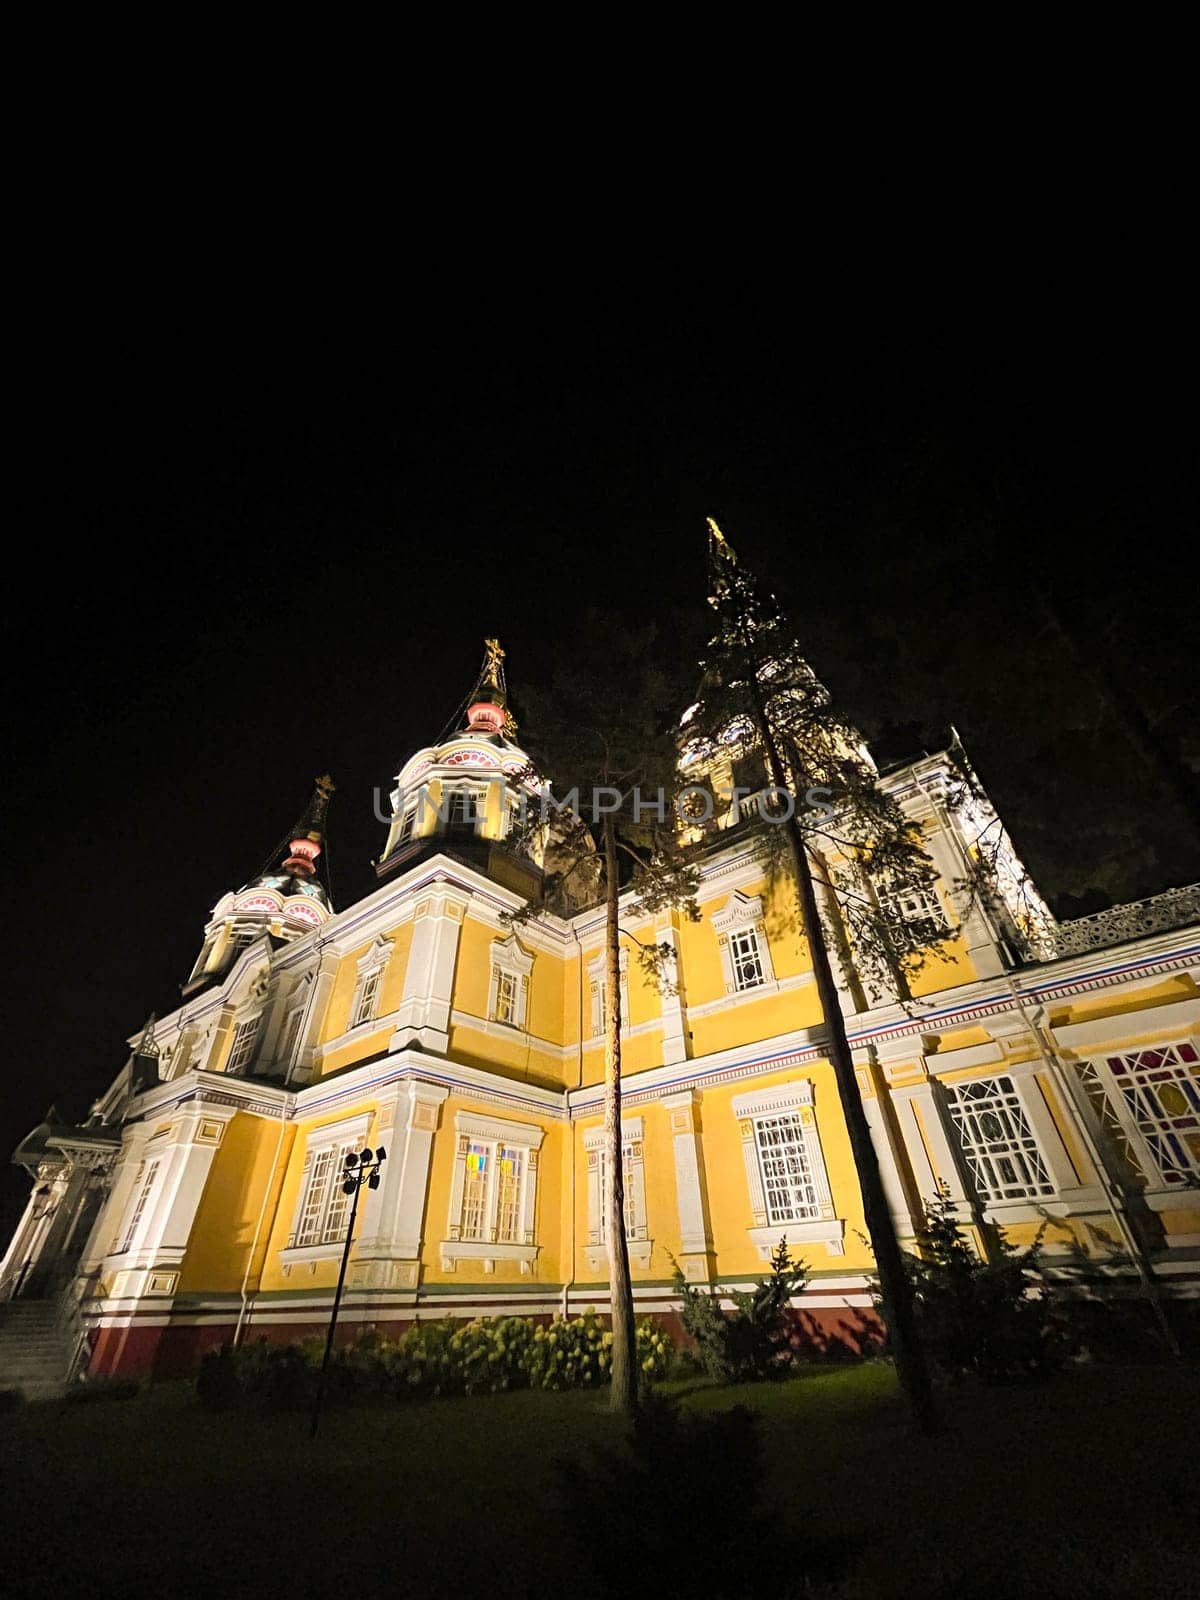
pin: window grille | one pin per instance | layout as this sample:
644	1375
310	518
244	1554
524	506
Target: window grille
508	989
786	1167
1154	1098
323	1210
1000	1146
242	1050
746	956
367	996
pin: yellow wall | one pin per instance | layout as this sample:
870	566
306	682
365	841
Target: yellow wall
223	1233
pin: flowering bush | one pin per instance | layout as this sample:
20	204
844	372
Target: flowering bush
484	1356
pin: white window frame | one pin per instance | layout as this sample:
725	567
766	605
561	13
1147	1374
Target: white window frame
523	1138
792	1102
742	915
406	824
336	1139
633	1165
914	911
1147	1123
452	791
598	993
144	1186
510	962
289	1035
372	966
1016	1140
244	1043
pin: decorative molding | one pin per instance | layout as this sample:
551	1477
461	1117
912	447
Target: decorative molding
830	1232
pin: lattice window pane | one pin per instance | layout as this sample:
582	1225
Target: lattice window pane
1000	1146
508	988
1159	1090
338	1211
632	1223
914	913
291	1034
787	1171
367	997
140	1206
242	1050
747	959
312	1214
475	1186
510	1164
463	810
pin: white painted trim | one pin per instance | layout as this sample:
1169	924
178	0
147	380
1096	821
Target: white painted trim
499	1130
1112	1031
830	1232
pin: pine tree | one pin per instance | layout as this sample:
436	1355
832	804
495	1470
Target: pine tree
604	731
760	694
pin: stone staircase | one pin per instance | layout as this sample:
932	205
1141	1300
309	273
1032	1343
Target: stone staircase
38	1345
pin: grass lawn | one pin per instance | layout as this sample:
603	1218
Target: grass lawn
1085	1487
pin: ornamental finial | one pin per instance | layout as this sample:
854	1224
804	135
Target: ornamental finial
486	705
309	833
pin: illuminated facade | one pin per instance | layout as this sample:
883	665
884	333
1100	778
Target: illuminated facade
1046	1072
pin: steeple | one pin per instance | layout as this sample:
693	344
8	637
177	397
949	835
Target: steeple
283	902
309	833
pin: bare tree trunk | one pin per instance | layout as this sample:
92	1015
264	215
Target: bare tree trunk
895	1289
624	1336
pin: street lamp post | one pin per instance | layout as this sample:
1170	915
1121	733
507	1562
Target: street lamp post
361	1167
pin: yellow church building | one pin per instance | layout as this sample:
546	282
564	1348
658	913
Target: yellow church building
1048	1073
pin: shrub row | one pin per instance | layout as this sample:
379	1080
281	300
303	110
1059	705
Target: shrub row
484	1356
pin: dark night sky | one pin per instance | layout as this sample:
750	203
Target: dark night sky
251	563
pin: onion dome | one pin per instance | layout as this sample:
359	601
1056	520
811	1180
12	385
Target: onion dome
290	887
285	901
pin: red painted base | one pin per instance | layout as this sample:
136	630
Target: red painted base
175	1351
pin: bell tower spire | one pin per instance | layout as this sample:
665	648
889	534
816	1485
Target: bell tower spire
308	835
487	704
285	901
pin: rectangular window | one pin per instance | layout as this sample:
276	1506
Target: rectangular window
135	1217
367	996
242	1050
1156	1092
509	1164
1001	1149
747	959
291	1033
475	1190
323	1209
914	913
786	1168
404	831
493	1193
463	809
635	1226
508	992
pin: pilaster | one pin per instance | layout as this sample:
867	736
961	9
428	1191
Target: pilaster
423	1017
388	1253
695	1233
